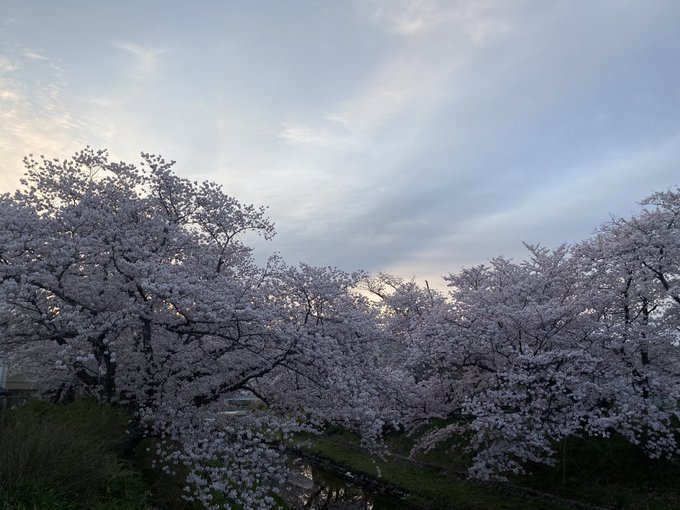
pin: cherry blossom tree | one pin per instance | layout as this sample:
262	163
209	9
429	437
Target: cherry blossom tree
341	353
134	285
632	266
416	346
580	340
520	359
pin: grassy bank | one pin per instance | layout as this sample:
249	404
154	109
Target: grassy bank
67	457
427	486
609	472
79	456
605	473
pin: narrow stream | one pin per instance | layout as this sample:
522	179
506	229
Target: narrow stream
315	488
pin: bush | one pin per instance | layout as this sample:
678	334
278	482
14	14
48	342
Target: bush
66	457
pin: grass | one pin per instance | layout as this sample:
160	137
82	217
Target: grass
165	489
67	457
78	456
604	472
427	487
609	472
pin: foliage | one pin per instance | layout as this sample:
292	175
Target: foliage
66	457
608	472
577	341
427	486
133	285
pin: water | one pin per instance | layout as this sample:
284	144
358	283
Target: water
314	487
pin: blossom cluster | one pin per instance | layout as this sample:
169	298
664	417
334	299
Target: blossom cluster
134	285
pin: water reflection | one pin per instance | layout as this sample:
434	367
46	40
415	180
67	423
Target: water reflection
311	487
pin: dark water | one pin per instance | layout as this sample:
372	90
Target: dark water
318	489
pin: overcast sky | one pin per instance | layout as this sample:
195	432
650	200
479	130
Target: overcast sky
414	137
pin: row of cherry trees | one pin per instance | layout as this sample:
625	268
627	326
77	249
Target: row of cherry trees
135	285
579	340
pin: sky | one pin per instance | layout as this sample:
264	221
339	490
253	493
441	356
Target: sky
412	137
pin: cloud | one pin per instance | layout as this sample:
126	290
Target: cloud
403	16
33	119
351	160
405	91
439	133
146	59
403	86
309	135
7	65
8	95
476	20
140	51
34	55
560	210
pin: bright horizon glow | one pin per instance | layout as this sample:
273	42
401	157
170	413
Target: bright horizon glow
412	137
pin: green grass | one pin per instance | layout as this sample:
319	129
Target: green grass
78	456
427	487
609	472
67	457
604	472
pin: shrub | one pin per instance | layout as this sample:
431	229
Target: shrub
66	456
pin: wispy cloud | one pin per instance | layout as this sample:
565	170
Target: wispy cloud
350	154
408	87
393	102
34	55
411	135
477	19
402	86
146	58
8	95
312	136
6	65
49	116
403	16
140	51
33	119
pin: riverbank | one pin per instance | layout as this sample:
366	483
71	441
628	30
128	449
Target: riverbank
421	486
95	465
589	475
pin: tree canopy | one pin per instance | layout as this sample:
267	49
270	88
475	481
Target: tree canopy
132	284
